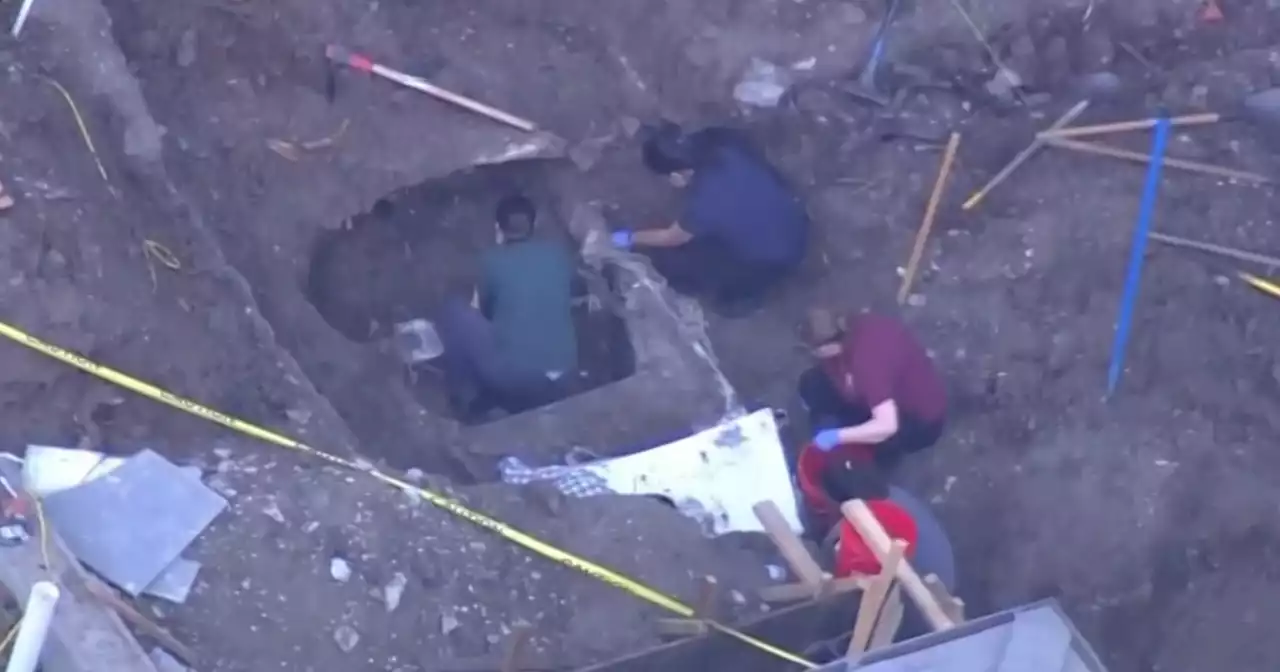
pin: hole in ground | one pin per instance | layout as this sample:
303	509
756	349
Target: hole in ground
421	245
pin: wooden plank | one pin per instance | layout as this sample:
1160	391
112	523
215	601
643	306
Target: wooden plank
1125	126
890	620
681	627
789	544
790	592
857	513
952	605
930	213
873	599
1139	157
1025	155
793	628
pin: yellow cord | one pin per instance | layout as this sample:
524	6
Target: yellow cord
8	636
44	535
84	130
162	254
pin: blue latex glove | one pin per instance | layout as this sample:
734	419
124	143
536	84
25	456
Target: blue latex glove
827	439
622	239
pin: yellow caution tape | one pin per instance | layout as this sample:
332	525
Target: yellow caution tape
1261	285
493	525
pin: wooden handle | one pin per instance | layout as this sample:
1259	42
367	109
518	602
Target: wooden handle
930	212
1022	157
790	545
1139	157
462	101
857	513
1123	126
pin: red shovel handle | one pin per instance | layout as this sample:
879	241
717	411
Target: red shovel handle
346	57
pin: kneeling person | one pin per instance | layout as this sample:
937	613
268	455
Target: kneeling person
742	229
514	344
874	385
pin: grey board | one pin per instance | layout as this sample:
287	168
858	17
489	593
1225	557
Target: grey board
131	524
175	582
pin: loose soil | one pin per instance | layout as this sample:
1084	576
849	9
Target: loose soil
1149	514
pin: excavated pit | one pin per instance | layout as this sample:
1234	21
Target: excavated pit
421	244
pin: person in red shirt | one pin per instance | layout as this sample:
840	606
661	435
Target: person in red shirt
874	386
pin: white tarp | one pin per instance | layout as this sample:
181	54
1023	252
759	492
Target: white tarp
714	476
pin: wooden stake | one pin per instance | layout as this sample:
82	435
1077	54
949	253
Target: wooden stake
144	625
954	606
790	592
792	548
1023	156
930	212
873	599
890	620
1125	126
513	658
874	534
1220	250
1139	157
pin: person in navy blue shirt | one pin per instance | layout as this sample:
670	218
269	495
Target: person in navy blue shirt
742	229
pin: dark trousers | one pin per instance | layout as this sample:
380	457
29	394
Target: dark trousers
828	410
705	267
477	373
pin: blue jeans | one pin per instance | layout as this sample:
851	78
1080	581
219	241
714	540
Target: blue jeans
478	373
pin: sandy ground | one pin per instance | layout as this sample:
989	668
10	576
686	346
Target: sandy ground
1149	514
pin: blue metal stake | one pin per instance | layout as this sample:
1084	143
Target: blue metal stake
1136	254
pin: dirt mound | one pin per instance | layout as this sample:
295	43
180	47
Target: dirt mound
1166	483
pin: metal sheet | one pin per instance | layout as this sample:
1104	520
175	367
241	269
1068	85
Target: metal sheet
131	524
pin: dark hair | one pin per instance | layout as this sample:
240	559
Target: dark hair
849	479
515	216
665	149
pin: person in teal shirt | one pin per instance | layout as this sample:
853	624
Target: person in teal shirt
514	346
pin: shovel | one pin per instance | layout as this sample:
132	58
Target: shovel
865	87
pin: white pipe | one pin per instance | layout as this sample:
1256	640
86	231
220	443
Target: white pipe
22	17
34	628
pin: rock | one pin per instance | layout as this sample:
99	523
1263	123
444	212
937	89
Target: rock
762	85
1003	84
165	662
414	475
394	590
1104	84
298	416
630	126
1199	97
339	570
272	511
346	638
448	624
186	51
587	153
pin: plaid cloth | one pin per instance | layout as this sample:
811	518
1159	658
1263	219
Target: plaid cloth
577	481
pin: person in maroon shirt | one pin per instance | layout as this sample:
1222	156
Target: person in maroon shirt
874	385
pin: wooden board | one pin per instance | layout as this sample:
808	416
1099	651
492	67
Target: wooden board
793	629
